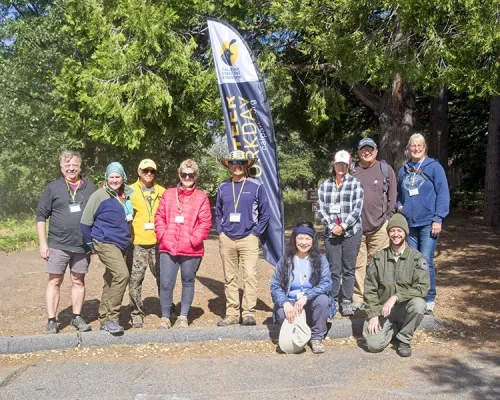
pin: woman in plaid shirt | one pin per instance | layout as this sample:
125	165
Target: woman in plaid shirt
340	201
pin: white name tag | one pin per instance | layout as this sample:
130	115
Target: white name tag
179	219
74	207
335	208
129	217
413	192
235	217
149	226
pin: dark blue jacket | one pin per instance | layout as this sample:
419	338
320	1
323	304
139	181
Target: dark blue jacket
105	219
432	203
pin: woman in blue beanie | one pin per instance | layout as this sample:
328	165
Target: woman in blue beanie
424	199
105	226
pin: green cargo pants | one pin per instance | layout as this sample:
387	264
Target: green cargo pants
403	321
115	277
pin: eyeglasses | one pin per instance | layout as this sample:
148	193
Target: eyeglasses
185	175
148	171
366	149
417	146
237	162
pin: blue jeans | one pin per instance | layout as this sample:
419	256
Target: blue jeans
420	239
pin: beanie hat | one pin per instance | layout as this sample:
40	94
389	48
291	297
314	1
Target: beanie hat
115	167
398	220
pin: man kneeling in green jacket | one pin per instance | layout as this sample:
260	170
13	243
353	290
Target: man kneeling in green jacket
396	284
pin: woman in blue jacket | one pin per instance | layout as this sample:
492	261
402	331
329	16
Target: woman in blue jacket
424	199
302	281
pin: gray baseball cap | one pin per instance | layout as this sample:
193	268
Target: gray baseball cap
367	142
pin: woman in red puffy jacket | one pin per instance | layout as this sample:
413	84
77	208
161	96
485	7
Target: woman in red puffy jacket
182	222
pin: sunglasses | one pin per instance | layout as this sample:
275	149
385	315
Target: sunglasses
185	175
149	171
237	162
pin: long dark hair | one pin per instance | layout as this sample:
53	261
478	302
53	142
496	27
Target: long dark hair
291	250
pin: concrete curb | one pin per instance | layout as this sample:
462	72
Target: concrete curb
29	344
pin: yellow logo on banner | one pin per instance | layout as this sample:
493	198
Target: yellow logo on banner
229	52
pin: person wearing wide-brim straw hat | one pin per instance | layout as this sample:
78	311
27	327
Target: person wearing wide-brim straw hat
242	215
236	156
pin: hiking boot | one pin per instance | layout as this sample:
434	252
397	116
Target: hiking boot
165	323
249	321
137	321
346	308
182	322
51	328
80	324
429	308
228	321
357	306
317	346
403	349
112	327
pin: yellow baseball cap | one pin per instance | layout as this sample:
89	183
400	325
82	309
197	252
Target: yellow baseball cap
147	163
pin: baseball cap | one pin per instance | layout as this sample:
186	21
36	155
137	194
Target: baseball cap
294	336
147	163
342	156
367	142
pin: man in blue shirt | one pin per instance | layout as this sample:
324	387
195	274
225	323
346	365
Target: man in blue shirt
242	214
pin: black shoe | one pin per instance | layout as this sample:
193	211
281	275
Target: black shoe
249	321
403	349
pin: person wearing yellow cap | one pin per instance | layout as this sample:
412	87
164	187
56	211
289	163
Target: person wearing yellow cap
143	252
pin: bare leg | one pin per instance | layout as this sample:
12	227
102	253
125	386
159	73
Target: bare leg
53	293
77	291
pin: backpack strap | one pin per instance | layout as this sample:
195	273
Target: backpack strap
385	171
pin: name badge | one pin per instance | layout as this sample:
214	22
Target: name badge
179	219
74	207
335	208
149	226
413	192
129	217
235	217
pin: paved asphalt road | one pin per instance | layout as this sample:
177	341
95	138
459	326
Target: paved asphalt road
341	373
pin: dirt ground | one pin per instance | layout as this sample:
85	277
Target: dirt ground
468	293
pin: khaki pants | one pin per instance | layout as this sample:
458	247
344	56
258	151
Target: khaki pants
244	252
115	277
403	321
370	244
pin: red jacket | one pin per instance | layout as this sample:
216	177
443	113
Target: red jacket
186	238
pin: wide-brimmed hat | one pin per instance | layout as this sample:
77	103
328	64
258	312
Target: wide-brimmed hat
294	336
238	155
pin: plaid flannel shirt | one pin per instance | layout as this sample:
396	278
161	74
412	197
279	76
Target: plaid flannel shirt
349	196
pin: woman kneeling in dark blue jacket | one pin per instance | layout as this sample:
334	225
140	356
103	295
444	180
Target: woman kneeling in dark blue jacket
302	281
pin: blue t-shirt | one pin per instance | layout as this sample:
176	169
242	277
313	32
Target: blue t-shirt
301	275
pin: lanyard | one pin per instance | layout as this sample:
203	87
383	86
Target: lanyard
236	201
151	205
337	191
302	276
73	194
117	197
179	205
415	172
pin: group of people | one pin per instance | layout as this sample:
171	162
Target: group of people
368	213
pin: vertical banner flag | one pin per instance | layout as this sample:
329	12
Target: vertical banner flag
249	125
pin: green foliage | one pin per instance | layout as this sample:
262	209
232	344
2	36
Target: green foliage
18	233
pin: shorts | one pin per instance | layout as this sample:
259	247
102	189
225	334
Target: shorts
59	260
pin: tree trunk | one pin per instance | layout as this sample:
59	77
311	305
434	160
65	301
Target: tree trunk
396	114
438	140
492	178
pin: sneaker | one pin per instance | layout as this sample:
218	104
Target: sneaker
357	306
346	308
137	321
165	323
80	324
403	349
51	328
317	346
429	309
112	327
182	322
249	321
228	321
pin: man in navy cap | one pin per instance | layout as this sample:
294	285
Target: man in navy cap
379	183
